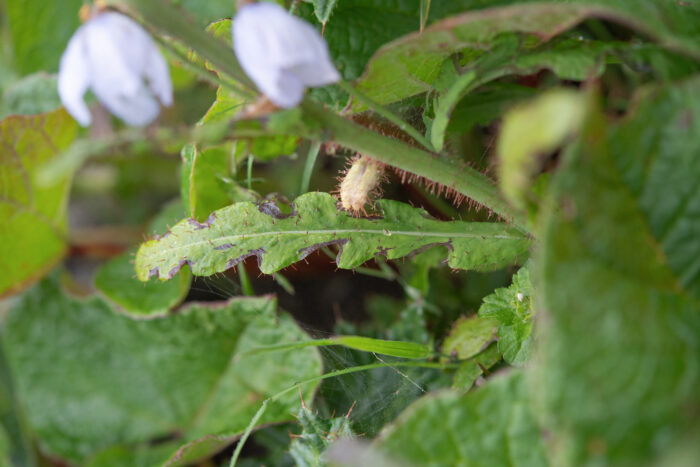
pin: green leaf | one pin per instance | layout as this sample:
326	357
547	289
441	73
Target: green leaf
323	9
117	280
511	308
620	282
33	227
95	379
15	438
469	336
410	65
530	131
40	30
474	429
206	183
394	348
467	374
308	448
567	58
35	94
244	229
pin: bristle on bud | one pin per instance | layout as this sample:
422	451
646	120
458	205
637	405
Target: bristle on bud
360	184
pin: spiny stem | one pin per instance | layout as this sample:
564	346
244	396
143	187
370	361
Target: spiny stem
464	180
384	112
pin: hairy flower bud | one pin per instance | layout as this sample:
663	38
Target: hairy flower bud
360	182
281	53
117	59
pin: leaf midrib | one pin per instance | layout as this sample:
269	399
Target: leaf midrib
335	232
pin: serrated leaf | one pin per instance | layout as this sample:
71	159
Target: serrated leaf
33	227
474	428
511	307
95	379
308	448
621	284
244	229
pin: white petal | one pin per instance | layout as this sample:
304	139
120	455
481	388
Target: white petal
109	56
141	54
137	109
269	41
74	78
316	74
158	76
287	92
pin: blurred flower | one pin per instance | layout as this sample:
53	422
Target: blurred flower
281	53
117	59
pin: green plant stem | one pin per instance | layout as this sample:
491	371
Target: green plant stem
464	180
333	374
245	280
249	172
384	112
309	166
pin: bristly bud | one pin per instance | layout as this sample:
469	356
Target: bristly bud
360	183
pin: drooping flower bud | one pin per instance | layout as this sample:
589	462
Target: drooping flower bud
360	183
116	58
281	53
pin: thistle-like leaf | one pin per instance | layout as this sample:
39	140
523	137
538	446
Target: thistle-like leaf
244	229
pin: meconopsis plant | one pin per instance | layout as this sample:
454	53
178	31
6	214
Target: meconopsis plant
114	57
281	53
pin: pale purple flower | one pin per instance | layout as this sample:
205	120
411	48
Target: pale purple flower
116	58
281	53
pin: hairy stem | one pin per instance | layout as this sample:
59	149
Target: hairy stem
464	180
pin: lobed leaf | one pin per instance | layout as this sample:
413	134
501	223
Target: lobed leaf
244	229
